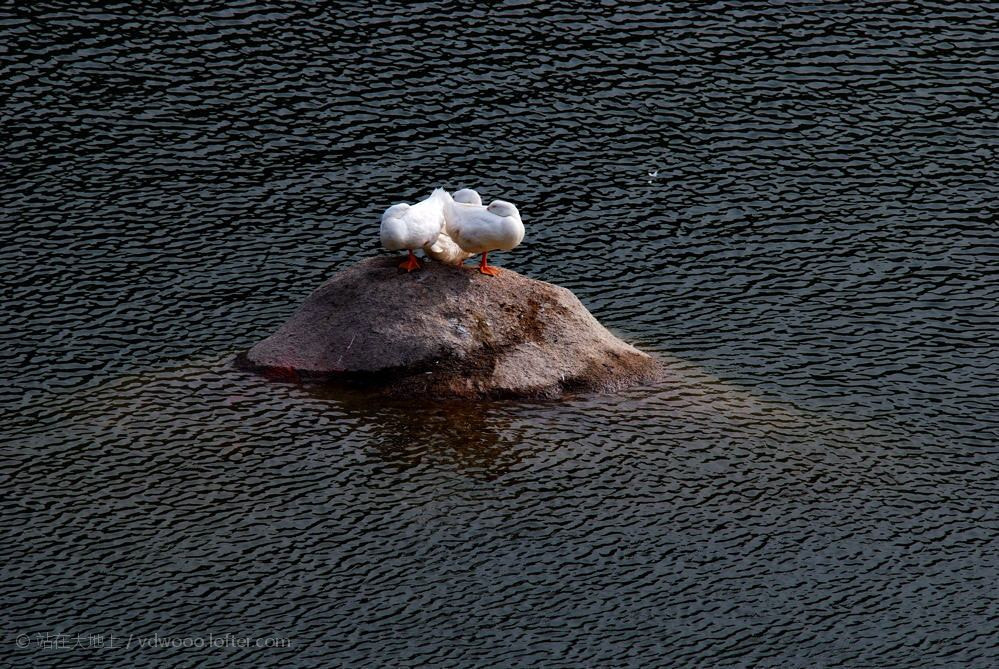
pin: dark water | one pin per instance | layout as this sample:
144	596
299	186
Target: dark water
793	203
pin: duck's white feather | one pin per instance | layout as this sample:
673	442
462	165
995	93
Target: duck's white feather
467	196
478	229
444	248
414	226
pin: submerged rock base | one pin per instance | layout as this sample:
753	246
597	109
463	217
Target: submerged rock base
448	332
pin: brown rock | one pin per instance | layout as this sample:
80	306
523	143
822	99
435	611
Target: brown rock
446	331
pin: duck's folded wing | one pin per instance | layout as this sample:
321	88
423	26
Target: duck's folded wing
476	228
460	218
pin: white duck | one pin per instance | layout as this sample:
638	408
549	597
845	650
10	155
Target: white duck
478	229
415	226
445	249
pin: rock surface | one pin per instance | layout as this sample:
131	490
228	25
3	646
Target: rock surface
446	331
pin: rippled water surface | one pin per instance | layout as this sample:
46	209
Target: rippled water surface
793	204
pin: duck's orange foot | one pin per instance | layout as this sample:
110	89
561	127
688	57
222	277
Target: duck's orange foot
486	268
410	264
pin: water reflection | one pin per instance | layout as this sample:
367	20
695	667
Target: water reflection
474	437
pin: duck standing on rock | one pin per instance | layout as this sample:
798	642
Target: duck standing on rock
445	249
477	229
411	227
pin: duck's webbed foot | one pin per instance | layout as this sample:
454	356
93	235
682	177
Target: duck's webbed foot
486	268
410	263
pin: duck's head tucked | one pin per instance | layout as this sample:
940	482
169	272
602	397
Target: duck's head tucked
395	211
467	196
503	208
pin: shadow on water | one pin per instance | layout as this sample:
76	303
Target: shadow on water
481	439
474	437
